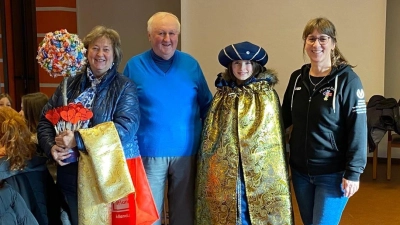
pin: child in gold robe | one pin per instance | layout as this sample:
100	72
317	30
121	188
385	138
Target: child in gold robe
242	177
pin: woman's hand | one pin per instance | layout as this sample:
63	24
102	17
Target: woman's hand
64	142
66	139
350	187
59	154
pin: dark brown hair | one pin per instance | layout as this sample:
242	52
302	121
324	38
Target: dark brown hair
32	106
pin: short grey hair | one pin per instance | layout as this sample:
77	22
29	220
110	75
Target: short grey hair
162	15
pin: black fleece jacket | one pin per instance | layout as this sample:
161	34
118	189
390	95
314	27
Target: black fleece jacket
329	124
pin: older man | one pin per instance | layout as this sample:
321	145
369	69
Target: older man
174	98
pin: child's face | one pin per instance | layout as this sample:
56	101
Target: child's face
5	102
242	70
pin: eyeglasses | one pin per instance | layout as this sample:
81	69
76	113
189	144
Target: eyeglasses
323	40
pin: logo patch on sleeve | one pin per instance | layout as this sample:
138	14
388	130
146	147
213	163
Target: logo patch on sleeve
361	107
360	93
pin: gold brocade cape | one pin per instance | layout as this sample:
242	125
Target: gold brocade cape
243	122
103	175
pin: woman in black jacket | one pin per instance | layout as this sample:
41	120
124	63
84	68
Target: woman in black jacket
110	96
324	102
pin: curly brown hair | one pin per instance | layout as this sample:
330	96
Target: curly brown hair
15	137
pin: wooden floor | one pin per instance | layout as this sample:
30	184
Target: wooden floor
376	203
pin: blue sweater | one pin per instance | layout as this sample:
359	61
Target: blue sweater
172	104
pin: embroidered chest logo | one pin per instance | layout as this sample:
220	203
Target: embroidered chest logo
327	94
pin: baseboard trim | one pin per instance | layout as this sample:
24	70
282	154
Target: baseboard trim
384	160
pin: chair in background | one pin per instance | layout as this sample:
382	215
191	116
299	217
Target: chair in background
383	116
393	142
374	162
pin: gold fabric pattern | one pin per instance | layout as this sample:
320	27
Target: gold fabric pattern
243	123
103	175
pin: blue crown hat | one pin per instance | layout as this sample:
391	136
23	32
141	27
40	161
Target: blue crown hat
243	51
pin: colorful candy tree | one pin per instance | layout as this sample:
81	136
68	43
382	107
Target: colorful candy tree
61	54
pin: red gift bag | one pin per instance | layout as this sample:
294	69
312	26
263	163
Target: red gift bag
137	208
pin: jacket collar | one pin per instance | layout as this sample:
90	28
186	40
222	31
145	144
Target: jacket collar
269	75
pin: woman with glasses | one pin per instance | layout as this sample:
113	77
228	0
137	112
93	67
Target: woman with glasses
325	107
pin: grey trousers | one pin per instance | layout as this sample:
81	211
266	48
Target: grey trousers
179	172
